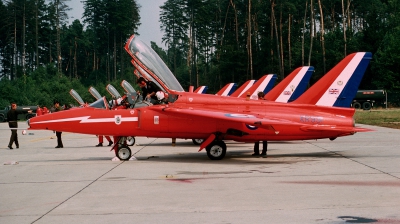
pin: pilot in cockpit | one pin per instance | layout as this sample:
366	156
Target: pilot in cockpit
150	90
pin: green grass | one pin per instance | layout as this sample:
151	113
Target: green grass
381	117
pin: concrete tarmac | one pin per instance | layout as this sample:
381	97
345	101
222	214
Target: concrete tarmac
354	179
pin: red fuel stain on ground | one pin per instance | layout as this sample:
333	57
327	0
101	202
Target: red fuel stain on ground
181	180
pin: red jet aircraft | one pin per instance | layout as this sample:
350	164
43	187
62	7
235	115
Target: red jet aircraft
217	118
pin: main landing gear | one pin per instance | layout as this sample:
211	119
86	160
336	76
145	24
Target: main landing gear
197	141
130	140
216	150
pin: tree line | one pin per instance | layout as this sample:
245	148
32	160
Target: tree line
206	42
212	42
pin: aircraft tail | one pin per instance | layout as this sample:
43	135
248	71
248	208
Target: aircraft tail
264	84
291	87
339	86
243	88
201	89
227	90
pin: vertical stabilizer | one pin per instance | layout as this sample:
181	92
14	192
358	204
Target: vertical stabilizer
291	87
264	84
243	88
227	90
339	86
201	89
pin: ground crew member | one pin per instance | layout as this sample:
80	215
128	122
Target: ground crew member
12	117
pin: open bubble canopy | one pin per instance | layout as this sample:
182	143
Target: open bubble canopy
151	64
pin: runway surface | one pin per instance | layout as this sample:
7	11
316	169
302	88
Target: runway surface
354	179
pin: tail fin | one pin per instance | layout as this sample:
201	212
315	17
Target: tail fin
264	84
339	86
227	90
201	89
291	87
243	88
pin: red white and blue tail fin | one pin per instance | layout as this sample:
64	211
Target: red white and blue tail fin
264	84
339	86
243	88
227	90
291	87
201	89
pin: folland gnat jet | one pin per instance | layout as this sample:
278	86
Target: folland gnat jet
217	118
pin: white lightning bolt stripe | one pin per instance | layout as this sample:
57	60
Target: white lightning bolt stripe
86	119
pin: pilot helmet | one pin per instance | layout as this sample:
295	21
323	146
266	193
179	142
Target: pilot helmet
160	95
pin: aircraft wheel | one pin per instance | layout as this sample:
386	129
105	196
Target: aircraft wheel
197	141
216	150
130	140
124	153
357	105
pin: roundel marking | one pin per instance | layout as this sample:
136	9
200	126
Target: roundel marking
251	127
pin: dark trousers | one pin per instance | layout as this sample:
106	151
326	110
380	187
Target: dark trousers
59	141
257	147
14	138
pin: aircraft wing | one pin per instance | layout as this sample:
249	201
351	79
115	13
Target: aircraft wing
249	119
259	121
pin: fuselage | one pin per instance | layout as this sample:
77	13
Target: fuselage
160	120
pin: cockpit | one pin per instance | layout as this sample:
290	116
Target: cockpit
151	66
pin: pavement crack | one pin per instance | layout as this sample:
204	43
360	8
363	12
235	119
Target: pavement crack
371	167
78	192
144	146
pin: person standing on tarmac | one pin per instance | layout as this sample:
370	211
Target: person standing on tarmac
12	117
57	108
257	143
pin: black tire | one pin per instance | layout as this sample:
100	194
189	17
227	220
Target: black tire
357	105
197	141
130	140
2	119
216	150
366	106
124	153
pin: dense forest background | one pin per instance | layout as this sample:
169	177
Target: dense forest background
206	42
